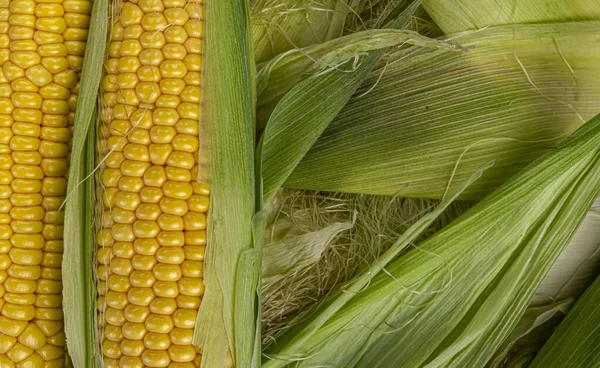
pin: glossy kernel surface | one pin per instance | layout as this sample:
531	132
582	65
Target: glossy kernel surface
153	228
41	48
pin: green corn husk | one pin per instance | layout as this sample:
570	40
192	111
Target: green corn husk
511	98
317	241
79	292
226	322
373	14
453	300
575	269
461	15
282	25
576	342
278	76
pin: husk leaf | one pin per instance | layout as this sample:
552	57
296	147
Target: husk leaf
517	92
79	293
576	342
226	320
302	264
452	300
461	15
282	25
301	117
573	272
278	76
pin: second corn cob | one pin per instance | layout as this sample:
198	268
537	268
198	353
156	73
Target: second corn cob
152	234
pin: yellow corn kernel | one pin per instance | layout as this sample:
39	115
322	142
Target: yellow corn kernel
130	14
111	349
178	174
176	16
147	247
136	313
143	262
140	296
113	333
163	305
116	299
134	331
180	336
165	289
19	352
7	342
160	153
123	250
170	223
132	347
115	317
151	195
181	354
142	279
191	286
157	341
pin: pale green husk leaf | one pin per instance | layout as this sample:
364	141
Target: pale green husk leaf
278	76
282	25
456	297
299	230
576	342
79	293
461	15
572	273
302	115
517	92
226	321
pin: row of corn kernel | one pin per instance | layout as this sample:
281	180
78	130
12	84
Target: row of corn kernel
151	245
46	43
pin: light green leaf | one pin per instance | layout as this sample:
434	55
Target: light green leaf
573	272
282	25
279	75
576	342
227	165
461	15
453	299
289	254
296	343
301	117
511	98
79	294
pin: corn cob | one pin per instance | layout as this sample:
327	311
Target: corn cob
41	53
152	234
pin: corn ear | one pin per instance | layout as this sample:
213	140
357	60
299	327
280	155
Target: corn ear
453	300
461	15
426	115
576	342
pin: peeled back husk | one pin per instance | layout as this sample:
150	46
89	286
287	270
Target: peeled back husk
425	112
461	15
576	342
453	299
573	272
